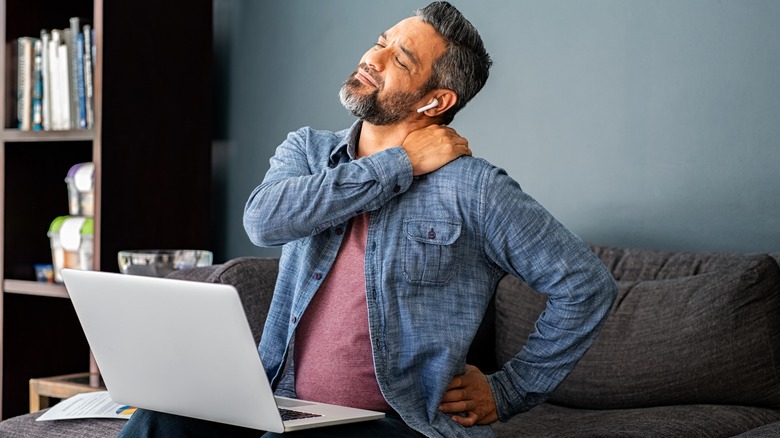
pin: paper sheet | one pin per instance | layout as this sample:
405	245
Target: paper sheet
87	405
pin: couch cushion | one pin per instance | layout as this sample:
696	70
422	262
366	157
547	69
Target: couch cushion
551	421
712	336
769	430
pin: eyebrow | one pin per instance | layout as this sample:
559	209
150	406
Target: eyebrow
408	52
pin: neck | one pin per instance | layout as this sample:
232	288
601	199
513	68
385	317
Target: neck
376	138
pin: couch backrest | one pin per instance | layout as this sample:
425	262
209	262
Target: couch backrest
253	277
685	328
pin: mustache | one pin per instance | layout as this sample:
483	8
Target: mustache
369	72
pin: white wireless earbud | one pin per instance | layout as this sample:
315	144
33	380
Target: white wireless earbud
433	104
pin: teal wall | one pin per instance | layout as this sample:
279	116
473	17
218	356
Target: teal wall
635	122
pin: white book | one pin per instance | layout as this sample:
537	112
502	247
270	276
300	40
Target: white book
24	83
54	75
64	86
70	44
46	72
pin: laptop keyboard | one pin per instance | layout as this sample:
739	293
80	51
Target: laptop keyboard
288	414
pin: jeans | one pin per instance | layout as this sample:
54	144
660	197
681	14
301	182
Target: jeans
151	424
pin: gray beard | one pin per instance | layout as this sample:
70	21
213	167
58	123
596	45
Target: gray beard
369	108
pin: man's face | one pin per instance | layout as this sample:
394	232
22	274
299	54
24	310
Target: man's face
390	80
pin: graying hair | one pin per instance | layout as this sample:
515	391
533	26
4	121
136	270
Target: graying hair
465	65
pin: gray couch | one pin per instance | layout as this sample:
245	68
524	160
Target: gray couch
691	349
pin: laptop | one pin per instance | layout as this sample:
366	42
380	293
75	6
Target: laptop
185	348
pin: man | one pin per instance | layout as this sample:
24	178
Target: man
394	239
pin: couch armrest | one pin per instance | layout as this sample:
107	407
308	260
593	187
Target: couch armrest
776	256
253	277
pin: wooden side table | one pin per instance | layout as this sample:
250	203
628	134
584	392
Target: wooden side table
42	390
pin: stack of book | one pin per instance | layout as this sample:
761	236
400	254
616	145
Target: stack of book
54	79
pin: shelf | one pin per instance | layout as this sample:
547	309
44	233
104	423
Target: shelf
15	135
137	145
36	288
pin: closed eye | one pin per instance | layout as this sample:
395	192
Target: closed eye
381	44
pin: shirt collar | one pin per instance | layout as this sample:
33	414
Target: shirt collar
348	145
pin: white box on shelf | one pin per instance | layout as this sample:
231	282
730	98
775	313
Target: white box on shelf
81	189
71	243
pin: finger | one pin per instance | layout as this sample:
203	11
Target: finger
467	421
451	396
459	151
461	405
457	382
456	406
455	396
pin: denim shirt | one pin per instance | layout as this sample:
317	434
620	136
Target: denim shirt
437	246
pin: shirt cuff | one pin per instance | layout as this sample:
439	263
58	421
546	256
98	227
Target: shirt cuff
393	169
504	393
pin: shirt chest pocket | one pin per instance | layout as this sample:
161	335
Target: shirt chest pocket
430	250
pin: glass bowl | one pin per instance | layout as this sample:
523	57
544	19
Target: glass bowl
161	262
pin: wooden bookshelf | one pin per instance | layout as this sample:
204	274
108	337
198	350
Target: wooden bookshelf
151	145
28	287
17	136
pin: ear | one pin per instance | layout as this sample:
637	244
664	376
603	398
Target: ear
447	98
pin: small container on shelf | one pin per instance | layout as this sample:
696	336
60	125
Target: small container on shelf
71	243
44	273
81	189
